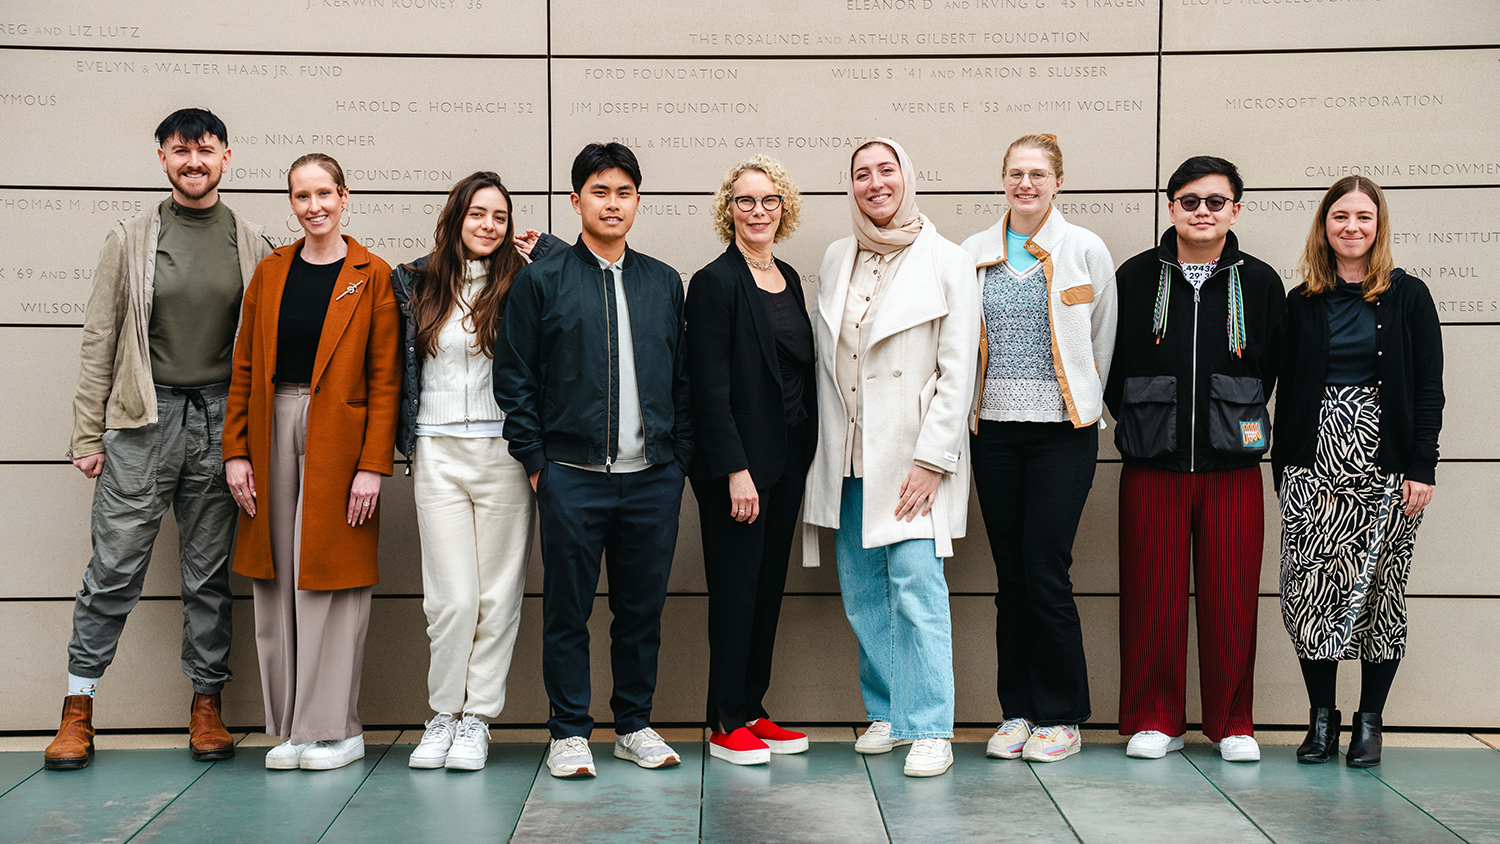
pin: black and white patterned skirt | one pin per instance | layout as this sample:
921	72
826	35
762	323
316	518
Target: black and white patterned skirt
1346	542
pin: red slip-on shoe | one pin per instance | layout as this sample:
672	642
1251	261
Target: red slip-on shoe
779	740
740	747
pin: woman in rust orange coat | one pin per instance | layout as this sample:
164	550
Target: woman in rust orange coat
309	431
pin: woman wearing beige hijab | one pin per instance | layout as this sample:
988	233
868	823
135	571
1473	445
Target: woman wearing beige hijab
896	325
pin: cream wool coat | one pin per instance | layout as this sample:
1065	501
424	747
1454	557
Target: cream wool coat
918	383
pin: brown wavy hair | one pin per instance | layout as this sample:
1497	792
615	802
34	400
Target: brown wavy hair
438	285
1317	268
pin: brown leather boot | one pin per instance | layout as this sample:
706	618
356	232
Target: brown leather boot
73	747
207	737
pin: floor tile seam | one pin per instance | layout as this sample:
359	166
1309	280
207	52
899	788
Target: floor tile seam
540	764
1378	778
169	803
1231	800
1031	767
703	755
875	793
384	750
19	784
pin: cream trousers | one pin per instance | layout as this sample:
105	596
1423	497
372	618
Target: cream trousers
475	513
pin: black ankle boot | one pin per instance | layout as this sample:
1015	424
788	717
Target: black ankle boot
1322	742
1364	740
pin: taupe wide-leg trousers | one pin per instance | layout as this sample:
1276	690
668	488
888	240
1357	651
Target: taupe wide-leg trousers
311	643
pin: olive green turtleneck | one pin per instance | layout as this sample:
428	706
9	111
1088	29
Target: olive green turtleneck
195	304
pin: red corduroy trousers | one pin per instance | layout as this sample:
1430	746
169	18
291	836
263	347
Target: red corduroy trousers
1170	522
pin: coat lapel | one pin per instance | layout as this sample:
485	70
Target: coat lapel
275	287
751	291
916	295
353	281
831	299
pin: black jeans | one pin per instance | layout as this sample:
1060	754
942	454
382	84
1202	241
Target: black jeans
630	519
746	564
1033	479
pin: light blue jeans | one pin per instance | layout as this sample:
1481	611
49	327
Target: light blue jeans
897	602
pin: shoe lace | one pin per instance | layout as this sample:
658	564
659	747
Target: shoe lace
1048	733
575	744
1153	734
438	726
1012	724
470	731
927	747
647	737
879	728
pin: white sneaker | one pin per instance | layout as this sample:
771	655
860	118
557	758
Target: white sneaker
570	757
471	745
1238	749
286	756
327	755
1150	744
929	757
1009	739
432	751
645	748
878	739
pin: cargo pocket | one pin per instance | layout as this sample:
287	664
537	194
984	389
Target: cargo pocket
131	456
1237	419
1147	425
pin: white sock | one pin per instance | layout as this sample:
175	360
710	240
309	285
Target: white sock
81	685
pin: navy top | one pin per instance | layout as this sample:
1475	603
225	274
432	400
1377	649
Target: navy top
1351	337
304	305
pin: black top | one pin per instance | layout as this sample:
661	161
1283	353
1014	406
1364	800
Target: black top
794	348
1408	371
1156	380
304	304
1351	337
737	363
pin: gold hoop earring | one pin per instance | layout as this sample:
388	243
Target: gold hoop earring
345	217
288	222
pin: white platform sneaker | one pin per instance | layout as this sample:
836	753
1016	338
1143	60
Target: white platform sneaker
432	751
1150	744
327	755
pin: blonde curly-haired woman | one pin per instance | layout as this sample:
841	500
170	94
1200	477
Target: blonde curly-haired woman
755	414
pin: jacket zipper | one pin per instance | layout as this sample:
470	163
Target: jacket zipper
609	375
1193	411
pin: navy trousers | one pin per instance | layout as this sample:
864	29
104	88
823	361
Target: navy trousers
630	521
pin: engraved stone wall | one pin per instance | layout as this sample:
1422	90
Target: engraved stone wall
411	95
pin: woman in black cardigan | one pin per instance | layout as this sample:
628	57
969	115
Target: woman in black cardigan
1357	413
755	414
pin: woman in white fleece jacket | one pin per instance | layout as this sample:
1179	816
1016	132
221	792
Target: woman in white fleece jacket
475	507
1048	293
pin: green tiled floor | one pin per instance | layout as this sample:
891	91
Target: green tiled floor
829	794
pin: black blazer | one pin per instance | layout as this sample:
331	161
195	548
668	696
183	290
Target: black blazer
1409	370
739	415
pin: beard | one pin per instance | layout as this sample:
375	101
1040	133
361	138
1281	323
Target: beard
209	184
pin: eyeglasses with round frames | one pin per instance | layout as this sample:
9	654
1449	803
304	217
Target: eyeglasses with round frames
1037	177
1215	203
747	203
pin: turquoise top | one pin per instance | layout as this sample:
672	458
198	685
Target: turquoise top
1015	251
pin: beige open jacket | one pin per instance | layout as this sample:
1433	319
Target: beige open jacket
115	389
918	381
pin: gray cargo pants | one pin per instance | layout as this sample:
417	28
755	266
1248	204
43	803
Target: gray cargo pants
178	462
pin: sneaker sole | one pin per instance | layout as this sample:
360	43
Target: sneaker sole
330	764
284	765
668	762
1037	757
739	757
426	764
884	748
933	772
578	773
787	748
464	764
1172	747
994	751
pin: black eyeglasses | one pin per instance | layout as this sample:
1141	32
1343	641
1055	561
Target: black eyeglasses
1190	202
747	203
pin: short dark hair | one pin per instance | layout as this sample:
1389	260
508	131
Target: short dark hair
191	124
596	158
1199	166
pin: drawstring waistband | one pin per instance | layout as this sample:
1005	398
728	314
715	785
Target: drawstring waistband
194	399
198	397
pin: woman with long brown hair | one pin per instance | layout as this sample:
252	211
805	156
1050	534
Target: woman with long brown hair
1355	457
474	503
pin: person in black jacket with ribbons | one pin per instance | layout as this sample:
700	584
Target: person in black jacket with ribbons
755	413
1358	415
1196	357
592	377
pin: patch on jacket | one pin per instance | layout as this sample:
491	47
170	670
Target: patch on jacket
1251	435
